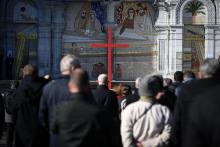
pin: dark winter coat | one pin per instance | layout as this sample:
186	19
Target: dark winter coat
204	122
25	107
80	123
107	98
188	95
55	92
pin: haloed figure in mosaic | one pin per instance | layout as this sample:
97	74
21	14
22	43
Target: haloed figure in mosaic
129	21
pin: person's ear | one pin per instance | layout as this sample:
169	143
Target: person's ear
159	94
70	87
200	75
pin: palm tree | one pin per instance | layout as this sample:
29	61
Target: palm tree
195	7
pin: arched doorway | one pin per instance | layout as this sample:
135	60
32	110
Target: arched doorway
194	18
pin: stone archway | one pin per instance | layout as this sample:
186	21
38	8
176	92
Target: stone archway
209	27
207	3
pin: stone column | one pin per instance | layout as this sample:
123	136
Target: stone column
176	49
44	41
57	28
163	16
209	41
163	56
217	42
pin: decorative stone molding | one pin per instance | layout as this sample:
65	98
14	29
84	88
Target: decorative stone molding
209	5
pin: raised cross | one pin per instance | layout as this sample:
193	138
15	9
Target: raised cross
109	45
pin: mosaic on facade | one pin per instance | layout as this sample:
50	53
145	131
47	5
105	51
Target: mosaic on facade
163	36
134	26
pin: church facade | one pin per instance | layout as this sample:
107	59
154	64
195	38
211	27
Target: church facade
164	36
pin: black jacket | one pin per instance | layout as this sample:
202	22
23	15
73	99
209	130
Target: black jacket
25	107
1	114
188	95
204	121
107	98
54	92
130	99
80	123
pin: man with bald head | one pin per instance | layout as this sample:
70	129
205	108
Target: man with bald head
55	92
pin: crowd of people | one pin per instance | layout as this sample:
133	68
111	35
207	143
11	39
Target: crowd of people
159	112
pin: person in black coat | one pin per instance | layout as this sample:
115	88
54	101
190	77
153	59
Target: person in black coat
1	114
25	106
132	97
79	122
178	79
204	121
55	92
105	97
209	72
9	61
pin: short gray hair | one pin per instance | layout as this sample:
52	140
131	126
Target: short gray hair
150	86
210	67
68	62
102	79
138	82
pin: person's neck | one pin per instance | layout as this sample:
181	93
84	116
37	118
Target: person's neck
65	73
146	99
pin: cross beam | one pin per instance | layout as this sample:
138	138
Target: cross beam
109	45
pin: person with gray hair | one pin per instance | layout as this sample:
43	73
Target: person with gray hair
145	123
55	92
105	97
189	94
209	68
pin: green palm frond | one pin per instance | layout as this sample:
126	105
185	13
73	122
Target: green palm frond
195	7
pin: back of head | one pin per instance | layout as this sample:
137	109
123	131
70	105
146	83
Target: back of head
80	80
14	84
29	70
68	63
103	79
189	75
126	90
178	76
150	86
210	68
167	82
137	82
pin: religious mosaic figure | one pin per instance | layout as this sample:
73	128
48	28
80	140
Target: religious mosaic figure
135	20
129	21
143	20
86	22
95	71
118	71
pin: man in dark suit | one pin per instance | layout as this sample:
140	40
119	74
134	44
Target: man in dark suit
79	122
105	97
55	92
209	72
204	121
